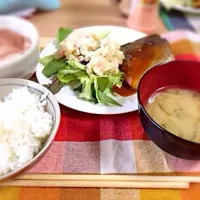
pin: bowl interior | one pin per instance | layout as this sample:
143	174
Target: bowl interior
52	107
20	26
181	74
8	88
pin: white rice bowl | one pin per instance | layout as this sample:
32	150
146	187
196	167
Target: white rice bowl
24	125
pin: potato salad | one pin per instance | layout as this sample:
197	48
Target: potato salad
91	60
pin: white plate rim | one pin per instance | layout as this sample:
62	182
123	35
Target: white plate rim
97	108
187	9
184	8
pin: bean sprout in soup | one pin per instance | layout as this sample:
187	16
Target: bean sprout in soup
177	111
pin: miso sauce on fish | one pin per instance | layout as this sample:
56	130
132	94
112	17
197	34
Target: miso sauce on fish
177	111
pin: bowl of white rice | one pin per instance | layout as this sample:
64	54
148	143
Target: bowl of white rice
29	120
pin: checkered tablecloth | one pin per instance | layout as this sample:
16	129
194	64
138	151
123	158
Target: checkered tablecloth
99	144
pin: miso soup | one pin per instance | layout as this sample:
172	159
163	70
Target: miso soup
177	111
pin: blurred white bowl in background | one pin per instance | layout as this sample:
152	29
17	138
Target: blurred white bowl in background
24	65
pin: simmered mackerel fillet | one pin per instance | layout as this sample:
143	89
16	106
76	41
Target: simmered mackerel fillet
139	56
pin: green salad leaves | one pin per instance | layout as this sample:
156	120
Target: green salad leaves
91	87
63	33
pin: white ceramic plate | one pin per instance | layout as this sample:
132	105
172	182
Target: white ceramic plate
70	98
187	9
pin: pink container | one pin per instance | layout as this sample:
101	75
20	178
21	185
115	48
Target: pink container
143	16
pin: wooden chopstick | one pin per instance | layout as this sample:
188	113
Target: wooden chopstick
144	178
96	184
106	181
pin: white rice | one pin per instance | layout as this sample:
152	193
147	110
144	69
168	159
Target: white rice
24	124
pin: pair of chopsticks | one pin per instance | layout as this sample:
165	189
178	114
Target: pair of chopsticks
104	181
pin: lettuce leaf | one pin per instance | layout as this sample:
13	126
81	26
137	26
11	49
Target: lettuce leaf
53	67
45	60
63	33
76	65
102	34
87	92
105	99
